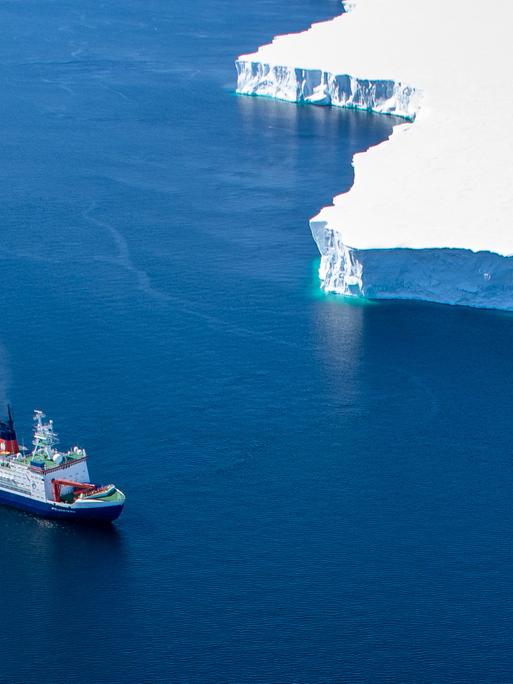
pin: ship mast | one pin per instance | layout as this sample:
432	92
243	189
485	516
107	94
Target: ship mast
45	438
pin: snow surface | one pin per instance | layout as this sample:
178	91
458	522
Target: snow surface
443	183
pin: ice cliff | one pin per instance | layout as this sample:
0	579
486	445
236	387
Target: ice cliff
430	213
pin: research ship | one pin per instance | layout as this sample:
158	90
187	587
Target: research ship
49	482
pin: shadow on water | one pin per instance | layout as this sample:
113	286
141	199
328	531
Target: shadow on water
52	550
59	582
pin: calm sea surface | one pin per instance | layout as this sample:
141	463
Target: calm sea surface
318	491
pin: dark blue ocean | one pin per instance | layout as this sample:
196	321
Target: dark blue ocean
317	490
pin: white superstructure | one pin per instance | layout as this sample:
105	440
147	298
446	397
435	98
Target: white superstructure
33	474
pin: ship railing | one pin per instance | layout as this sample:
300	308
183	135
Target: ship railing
66	464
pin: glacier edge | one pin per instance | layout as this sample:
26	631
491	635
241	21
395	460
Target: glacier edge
315	86
445	275
429	213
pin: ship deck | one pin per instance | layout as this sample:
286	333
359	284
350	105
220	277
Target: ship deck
49	463
116	496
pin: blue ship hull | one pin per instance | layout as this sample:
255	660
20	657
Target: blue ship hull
50	510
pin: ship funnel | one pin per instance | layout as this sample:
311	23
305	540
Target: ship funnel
8	439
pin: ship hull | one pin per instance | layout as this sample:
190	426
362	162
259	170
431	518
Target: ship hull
102	512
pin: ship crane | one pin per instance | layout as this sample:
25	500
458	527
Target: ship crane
78	487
